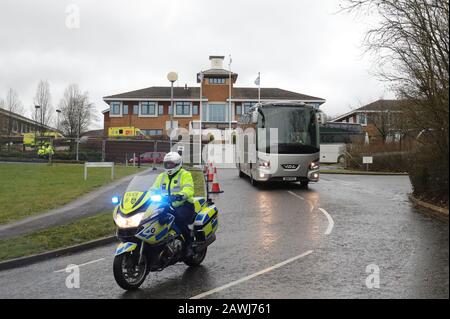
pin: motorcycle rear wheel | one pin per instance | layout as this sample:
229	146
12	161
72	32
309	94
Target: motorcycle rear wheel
196	259
129	275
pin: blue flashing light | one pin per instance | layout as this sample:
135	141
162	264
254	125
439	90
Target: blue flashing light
156	198
115	200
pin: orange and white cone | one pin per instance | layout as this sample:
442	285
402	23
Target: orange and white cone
215	187
210	176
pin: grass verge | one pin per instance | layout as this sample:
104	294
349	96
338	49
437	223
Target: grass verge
78	232
29	189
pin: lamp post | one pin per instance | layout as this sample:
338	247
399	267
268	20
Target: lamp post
172	77
36	107
78	132
58	112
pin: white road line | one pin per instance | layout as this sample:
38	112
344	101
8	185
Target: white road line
330	221
296	195
328	216
89	262
256	274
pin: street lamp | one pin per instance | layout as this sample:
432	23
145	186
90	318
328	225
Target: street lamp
36	127
58	113
172	77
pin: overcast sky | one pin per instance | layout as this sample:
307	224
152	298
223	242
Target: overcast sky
298	45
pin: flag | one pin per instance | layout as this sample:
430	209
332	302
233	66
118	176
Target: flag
258	79
200	77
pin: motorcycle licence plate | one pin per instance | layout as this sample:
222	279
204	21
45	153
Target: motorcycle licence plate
289	178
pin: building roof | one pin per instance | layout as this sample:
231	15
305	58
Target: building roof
24	119
377	106
94	133
163	92
272	94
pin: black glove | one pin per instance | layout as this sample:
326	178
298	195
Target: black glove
176	198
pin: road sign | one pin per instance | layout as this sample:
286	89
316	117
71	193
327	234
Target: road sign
367	159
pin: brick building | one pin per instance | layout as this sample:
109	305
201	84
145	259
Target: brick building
382	120
149	109
13	124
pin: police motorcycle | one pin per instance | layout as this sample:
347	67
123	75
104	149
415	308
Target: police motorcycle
150	240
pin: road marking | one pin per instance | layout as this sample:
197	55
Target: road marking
328	216
330	221
256	274
87	263
296	195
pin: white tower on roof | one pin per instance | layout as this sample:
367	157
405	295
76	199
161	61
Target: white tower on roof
216	61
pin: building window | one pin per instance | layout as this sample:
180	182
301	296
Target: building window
152	132
217	112
125	110
247	106
238	109
160	109
170	110
216	80
183	108
115	108
135	109
148	109
361	118
195	110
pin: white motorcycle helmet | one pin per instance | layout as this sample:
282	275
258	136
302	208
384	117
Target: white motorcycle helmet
172	163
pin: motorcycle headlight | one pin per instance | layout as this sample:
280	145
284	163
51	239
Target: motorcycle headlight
128	222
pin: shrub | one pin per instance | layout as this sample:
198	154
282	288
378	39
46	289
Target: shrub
386	157
429	175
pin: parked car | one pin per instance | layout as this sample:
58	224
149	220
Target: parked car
149	157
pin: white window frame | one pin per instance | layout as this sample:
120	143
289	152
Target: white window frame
357	119
226	111
182	115
148	115
111	108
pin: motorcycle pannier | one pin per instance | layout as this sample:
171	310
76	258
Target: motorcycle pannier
205	224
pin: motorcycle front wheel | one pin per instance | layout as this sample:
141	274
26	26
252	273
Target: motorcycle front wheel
127	273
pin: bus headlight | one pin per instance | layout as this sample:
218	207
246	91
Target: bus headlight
264	164
314	165
128	222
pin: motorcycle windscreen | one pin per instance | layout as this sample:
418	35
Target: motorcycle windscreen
136	191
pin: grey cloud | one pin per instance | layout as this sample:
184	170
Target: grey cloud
125	45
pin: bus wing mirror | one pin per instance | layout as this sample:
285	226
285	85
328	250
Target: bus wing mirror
254	117
321	117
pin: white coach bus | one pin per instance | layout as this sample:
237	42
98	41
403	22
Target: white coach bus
279	142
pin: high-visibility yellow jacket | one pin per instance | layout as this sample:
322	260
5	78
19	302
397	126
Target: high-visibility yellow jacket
180	184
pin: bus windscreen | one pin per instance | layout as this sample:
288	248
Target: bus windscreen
298	132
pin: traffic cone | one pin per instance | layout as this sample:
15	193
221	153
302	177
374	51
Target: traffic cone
215	187
210	176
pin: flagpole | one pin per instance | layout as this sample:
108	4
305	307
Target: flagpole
259	87
201	119
230	110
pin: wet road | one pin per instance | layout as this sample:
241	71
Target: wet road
282	242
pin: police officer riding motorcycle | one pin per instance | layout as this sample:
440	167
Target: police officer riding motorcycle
161	223
177	183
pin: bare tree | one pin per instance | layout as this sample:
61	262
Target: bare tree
12	104
43	99
411	46
76	111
